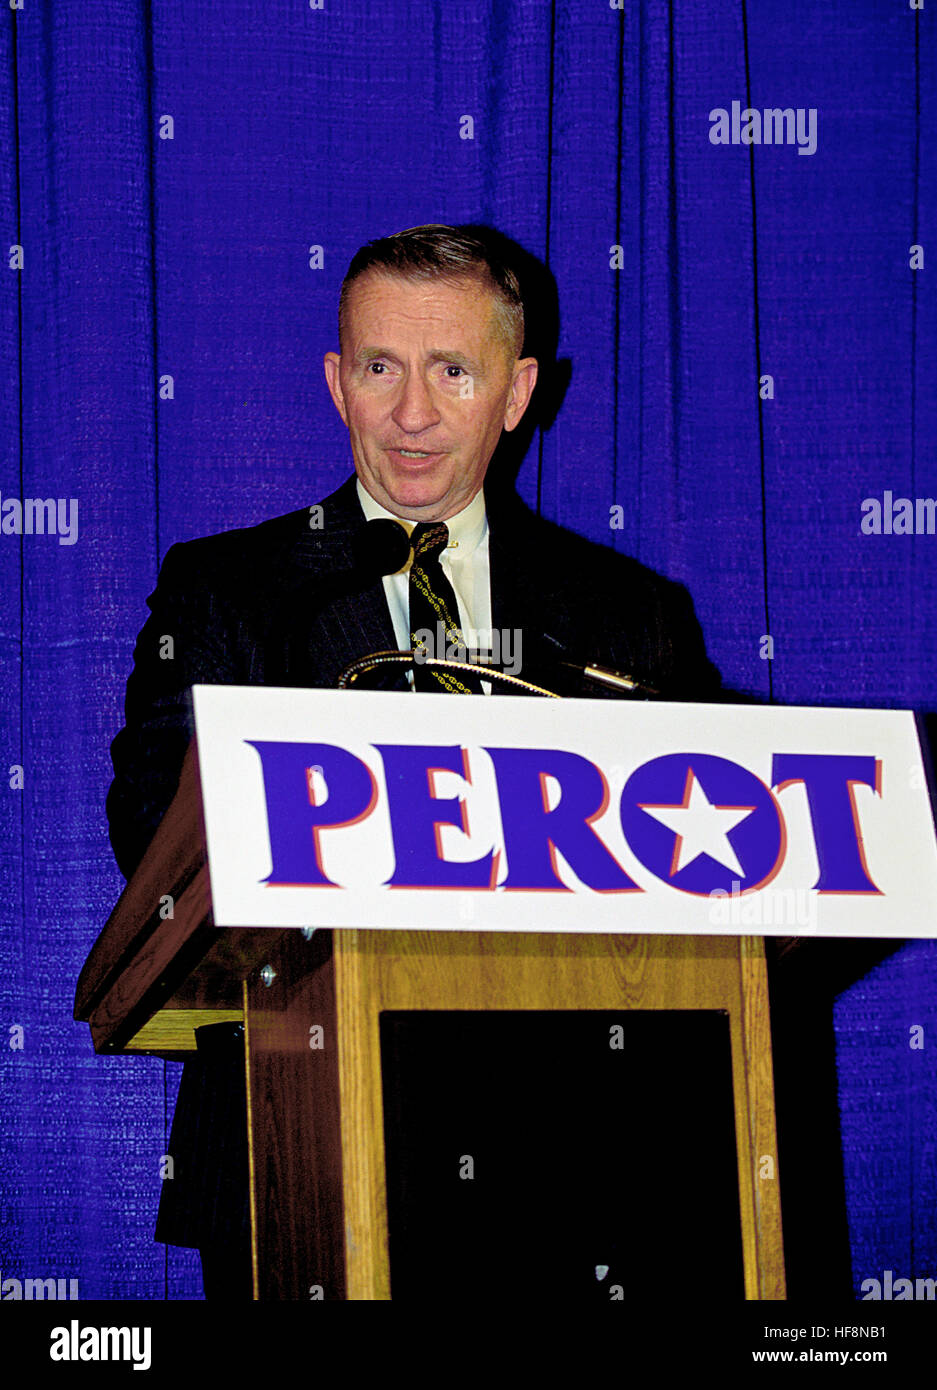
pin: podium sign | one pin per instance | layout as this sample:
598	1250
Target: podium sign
356	809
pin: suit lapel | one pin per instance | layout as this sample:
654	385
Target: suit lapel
318	631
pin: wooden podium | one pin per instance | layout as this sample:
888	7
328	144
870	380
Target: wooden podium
311	1005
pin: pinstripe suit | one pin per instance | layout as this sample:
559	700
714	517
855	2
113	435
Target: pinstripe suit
260	606
253	607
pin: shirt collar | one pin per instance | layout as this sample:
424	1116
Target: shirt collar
467	529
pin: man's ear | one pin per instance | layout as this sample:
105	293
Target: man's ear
523	381
332	365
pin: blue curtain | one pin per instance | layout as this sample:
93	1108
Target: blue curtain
168	169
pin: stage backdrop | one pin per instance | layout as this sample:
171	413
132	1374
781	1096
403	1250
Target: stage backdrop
752	353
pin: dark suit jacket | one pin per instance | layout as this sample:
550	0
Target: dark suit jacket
262	606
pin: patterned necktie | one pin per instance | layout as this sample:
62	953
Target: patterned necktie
433	601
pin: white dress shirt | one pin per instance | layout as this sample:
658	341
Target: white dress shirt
464	563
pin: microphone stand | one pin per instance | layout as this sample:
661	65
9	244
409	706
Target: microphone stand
603	675
374	660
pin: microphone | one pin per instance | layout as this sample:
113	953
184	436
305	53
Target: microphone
619	681
383	547
374	661
612	679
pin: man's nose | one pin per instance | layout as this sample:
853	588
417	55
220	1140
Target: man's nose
415	408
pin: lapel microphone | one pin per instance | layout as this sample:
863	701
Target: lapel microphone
382	547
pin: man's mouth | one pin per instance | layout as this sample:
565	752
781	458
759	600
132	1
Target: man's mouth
416	455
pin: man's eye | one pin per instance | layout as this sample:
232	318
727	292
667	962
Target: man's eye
453	368
376	368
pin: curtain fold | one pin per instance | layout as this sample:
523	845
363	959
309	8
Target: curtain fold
188	184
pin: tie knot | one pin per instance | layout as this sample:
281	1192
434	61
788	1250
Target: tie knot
429	537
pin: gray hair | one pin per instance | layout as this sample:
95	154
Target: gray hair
447	253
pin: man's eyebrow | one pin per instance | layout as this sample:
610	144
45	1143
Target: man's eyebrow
458	359
366	353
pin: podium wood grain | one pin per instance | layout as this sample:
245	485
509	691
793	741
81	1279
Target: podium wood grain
334	1188
315	1113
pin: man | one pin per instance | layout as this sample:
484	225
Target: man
430	373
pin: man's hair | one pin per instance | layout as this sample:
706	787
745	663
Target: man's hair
437	252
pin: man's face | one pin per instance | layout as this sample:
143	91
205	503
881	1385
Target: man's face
425	385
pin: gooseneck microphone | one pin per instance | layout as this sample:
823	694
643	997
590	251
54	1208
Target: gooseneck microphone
383	547
375	661
613	680
558	657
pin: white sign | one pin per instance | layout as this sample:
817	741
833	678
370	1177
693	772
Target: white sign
378	809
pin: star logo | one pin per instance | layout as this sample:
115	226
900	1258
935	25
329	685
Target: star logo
701	823
700	826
